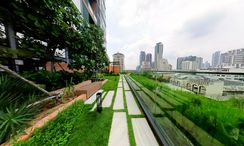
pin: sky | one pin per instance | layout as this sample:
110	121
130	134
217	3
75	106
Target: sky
185	27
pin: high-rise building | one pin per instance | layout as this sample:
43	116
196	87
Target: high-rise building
189	65
206	65
216	59
118	59
233	59
142	57
158	55
101	13
198	61
149	58
88	9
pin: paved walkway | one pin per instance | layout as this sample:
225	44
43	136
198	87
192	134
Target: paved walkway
108	99
126	86
93	97
133	109
119	100
120	85
143	133
119	135
119	130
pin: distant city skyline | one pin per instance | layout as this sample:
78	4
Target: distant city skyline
134	26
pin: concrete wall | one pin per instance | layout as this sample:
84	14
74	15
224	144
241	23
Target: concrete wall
215	89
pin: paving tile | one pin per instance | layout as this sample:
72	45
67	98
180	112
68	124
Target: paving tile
92	98
126	86
119	130
143	133
120	85
133	108
119	101
108	99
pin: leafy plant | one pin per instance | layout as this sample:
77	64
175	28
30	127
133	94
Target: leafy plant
56	132
23	93
14	118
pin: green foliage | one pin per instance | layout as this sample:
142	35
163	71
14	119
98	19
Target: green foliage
111	83
150	84
92	128
224	120
15	91
13	119
55	80
14	114
56	132
48	26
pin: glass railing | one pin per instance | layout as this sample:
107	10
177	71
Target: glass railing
191	108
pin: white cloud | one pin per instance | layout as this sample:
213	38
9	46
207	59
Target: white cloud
186	27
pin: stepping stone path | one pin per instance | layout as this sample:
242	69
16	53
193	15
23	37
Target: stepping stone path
120	85
119	135
119	130
142	132
93	98
133	109
126	86
119	100
108	99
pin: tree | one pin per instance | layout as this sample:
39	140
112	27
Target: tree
49	25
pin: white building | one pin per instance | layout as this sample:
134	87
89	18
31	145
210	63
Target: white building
163	65
233	59
118	58
189	65
145	66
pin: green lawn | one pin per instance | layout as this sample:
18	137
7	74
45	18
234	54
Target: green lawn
111	84
224	120
56	132
92	128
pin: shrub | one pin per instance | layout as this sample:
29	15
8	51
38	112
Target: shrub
55	80
58	131
13	119
14	114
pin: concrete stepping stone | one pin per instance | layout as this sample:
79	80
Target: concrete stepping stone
119	101
119	130
92	98
126	86
143	133
133	108
108	99
120	85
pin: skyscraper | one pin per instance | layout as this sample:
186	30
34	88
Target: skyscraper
158	55
142	57
216	59
149	58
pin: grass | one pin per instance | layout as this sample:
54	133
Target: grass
111	84
130	128
58	131
224	120
92	128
